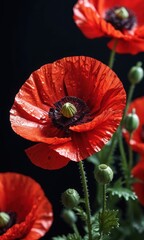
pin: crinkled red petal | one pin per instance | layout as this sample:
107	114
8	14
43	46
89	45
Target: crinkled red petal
23	195
86	143
133	46
42	156
29	113
87	18
138	173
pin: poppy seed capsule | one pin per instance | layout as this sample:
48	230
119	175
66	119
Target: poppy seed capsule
70	198
103	174
68	110
4	219
131	122
69	216
136	73
122	13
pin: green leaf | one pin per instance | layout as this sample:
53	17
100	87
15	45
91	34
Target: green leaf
121	191
108	220
68	237
59	238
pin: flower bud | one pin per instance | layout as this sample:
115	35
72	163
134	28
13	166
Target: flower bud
136	73
69	216
4	219
131	122
70	198
103	174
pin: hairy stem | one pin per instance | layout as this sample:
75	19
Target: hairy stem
86	196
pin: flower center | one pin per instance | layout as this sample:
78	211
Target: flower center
7	220
69	111
121	18
142	133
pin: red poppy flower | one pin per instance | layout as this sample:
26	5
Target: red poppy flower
122	20
137	141
138	173
71	107
29	211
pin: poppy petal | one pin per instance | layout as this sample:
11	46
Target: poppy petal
133	46
138	173
85	143
76	150
42	156
21	194
30	120
107	116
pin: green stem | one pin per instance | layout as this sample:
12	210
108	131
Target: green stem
110	64
130	155
103	207
130	162
123	155
86	196
129	98
75	229
114	140
112	148
112	55
104	197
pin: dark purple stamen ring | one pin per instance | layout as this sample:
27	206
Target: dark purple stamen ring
82	114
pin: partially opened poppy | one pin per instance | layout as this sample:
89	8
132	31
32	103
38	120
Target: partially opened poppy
71	107
25	212
137	140
138	173
122	20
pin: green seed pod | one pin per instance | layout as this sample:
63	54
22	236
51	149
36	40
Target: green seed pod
122	13
68	110
69	216
70	198
131	122
136	73
103	174
4	219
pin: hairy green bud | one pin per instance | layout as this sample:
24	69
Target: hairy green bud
136	73
70	198
103	174
131	122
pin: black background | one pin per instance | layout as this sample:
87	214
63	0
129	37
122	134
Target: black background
35	32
